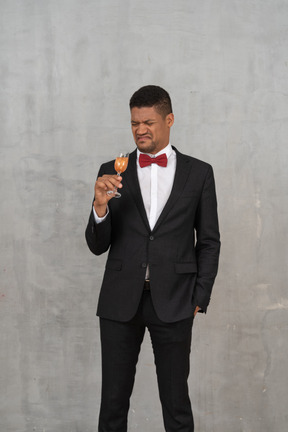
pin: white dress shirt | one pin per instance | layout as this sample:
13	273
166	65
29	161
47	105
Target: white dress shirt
155	183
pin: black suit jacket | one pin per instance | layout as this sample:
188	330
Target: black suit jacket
182	250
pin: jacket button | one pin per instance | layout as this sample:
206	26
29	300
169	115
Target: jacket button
143	265
151	237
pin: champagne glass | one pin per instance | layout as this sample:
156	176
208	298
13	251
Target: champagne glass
120	165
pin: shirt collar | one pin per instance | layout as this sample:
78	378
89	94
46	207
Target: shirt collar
168	150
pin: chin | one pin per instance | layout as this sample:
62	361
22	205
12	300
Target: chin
145	147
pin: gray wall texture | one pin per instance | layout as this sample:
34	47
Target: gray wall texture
68	69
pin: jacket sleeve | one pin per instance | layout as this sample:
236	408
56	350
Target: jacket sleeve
98	235
207	242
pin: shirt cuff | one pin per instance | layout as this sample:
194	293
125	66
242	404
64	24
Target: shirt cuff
100	219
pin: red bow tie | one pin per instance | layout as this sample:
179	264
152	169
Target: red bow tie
145	160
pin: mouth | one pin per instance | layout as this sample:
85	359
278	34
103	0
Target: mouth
143	138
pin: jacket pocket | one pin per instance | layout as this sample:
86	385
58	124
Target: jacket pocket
114	264
186	267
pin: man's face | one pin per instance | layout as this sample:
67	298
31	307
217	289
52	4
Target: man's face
150	130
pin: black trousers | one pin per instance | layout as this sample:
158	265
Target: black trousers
121	342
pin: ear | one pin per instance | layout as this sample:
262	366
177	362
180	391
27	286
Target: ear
170	120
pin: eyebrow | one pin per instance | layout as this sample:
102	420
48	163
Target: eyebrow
145	121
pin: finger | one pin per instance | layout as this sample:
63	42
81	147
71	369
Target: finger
110	177
115	179
108	182
102	186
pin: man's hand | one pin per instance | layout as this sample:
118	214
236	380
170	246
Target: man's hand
196	310
103	184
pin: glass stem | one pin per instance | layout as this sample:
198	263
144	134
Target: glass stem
115	188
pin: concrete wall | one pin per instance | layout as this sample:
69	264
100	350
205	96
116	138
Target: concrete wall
68	69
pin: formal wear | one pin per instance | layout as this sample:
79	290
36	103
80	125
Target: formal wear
155	185
176	237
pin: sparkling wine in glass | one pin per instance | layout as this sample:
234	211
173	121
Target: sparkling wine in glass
120	165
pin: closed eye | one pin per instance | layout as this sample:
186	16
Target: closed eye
147	122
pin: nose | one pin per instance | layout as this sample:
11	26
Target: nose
142	129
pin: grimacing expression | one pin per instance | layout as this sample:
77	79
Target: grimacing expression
151	131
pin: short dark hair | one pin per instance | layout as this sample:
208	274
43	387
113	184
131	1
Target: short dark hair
152	96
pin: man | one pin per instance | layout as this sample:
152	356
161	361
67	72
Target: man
164	246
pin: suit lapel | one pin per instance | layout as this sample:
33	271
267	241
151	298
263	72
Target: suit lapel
130	178
181	176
